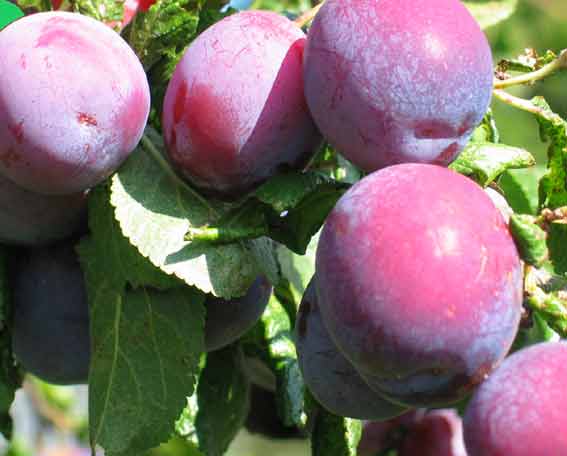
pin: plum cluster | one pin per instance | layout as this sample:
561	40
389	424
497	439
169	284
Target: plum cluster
384	82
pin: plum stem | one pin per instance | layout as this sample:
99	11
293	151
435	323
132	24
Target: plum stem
558	64
219	235
517	102
165	166
308	16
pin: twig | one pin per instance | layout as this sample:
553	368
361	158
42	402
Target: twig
558	64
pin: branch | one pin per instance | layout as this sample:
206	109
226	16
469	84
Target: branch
558	64
517	102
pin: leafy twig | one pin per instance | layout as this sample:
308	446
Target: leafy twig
517	102
528	78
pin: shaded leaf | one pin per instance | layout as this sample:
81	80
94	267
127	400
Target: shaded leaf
102	10
334	435
223	398
271	340
10	379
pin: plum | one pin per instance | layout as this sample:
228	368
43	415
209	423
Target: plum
418	432
28	218
437	433
234	111
74	101
419	283
395	81
50	333
329	376
227	320
521	409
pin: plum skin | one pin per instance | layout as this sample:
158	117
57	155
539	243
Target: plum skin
329	376
396	81
74	101
28	218
50	332
229	132
228	319
419	283
521	409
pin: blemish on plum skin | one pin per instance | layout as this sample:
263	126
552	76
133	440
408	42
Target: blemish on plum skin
87	119
23	62
10	157
447	155
179	106
17	131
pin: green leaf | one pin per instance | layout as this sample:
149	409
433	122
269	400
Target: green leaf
10	378
114	251
484	162
271	340
530	239
9	13
491	12
223	397
145	355
540	331
286	191
487	130
34	6
102	10
163	31
334	435
155	209
289	208
546	294
520	188
553	185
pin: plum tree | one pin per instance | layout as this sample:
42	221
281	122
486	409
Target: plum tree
28	218
230	132
227	320
327	373
74	101
521	409
419	282
394	81
50	332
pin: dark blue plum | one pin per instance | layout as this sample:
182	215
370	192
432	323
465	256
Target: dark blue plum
327	373
50	336
227	320
28	218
